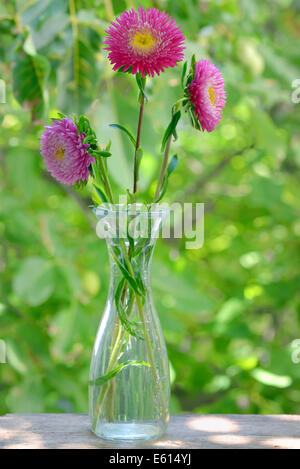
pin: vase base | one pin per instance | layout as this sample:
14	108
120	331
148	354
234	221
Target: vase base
129	431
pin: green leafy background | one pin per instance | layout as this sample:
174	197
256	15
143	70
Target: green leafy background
230	310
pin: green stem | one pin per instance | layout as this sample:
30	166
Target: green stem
118	342
110	401
105	180
111	365
138	140
163	168
142	317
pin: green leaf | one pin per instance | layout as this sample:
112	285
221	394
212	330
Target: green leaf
88	139
128	71
84	126
122	313
193	119
171	129
193	62
131	196
34	282
127	132
77	78
111	374
140	283
184	69
127	324
30	73
127	275
104	154
171	167
108	146
17	356
101	194
191	75
141	82
163	190
139	248
119	290
90	19
51	27
79	185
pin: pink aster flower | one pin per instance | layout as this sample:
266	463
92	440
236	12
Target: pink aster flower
64	152
207	95
148	41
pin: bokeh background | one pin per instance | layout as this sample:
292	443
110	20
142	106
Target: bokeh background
230	311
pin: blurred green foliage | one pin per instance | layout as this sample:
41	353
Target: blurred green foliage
230	310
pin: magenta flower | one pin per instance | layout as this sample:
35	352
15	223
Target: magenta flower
64	152
148	41
207	95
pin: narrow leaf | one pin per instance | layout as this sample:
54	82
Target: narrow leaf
100	194
131	196
171	167
111	374
194	121
29	74
104	154
183	74
107	148
125	321
127	324
130	238
141	82
77	76
127	132
163	190
119	290
128	277
140	283
171	130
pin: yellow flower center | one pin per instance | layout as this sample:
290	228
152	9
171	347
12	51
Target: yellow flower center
143	41
212	95
60	153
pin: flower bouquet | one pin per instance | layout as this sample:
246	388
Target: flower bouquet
129	376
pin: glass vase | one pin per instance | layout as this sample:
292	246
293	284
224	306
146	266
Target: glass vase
129	383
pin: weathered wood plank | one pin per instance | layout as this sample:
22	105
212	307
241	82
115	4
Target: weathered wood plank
184	431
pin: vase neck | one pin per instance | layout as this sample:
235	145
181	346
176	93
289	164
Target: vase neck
139	251
131	232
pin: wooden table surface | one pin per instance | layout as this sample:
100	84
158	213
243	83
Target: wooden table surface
184	431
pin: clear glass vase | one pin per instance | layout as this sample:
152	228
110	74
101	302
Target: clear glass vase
129	383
